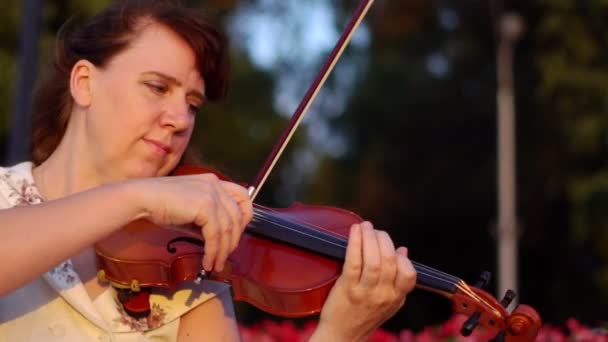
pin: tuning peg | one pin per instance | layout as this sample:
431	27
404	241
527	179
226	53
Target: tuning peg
484	280
508	298
470	324
500	337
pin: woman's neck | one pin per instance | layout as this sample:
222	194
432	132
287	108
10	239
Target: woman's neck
68	169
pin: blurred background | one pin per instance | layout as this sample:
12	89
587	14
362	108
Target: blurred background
405	132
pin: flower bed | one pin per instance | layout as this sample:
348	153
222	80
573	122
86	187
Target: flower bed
271	331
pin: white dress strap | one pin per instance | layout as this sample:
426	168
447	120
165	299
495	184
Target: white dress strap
19	188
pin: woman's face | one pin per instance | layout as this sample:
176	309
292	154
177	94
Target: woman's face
143	105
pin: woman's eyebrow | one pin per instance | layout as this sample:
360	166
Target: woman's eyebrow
176	82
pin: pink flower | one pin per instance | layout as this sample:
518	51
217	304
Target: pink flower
549	333
406	336
383	336
452	326
308	329
426	335
255	334
284	331
270	331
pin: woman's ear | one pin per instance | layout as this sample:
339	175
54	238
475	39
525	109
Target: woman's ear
80	82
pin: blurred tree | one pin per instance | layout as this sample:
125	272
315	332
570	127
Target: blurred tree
421	153
422	157
10	15
571	56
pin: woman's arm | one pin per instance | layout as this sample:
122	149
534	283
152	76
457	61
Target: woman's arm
213	320
38	237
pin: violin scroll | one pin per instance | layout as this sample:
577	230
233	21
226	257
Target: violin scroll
483	310
523	324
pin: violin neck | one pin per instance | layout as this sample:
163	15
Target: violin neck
301	235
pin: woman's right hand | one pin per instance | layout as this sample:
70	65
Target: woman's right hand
375	281
222	209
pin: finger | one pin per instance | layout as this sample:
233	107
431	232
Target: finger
371	256
225	239
211	235
241	197
236	219
353	260
402	251
388	258
405	280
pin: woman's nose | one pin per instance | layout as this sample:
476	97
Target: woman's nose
177	116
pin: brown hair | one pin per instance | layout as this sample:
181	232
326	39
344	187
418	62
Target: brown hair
102	37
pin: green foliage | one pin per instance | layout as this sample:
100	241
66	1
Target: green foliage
9	16
574	88
234	136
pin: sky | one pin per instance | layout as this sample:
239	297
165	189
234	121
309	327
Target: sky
291	39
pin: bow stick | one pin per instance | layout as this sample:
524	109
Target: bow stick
309	97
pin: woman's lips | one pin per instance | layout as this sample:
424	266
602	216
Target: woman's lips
159	146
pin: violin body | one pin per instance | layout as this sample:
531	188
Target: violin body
273	276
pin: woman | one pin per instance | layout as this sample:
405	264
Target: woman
114	117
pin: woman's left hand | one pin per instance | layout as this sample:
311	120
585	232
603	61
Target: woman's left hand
374	283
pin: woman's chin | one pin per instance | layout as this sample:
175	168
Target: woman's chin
145	171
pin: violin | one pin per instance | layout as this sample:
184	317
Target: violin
266	269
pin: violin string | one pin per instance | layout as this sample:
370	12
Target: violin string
425	270
440	274
278	214
280	225
465	288
268	217
430	270
422	269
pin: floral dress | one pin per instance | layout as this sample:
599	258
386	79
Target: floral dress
57	307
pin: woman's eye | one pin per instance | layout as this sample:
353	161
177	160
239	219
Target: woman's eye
157	88
194	109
